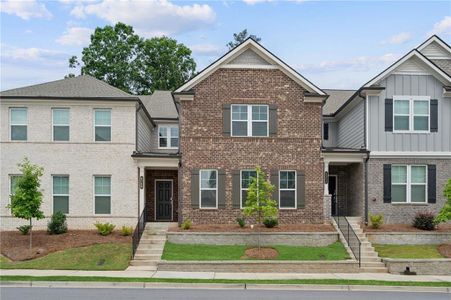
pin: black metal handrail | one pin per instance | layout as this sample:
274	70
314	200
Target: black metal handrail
138	232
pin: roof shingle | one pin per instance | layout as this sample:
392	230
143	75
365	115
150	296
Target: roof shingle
160	105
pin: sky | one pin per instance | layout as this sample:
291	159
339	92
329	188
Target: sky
335	44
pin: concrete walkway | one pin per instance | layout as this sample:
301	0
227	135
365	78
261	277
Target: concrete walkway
244	276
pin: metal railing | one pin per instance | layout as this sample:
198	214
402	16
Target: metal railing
138	232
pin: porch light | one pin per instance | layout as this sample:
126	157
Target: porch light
326	177
141	182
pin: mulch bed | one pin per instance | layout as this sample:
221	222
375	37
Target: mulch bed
235	228
14	245
445	250
406	228
262	253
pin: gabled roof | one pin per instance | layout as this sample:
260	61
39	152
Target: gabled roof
336	99
83	86
431	40
160	105
262	52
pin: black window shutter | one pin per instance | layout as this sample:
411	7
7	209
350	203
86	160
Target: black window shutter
272	120
387	183
236	189
434	115
432	184
275	182
195	188
226	119
388	114
221	188
326	131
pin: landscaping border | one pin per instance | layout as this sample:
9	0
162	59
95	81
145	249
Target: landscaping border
439	266
409	238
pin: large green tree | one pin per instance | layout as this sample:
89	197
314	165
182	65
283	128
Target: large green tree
240	37
445	213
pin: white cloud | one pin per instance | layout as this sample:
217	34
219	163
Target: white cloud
207	49
25	9
151	18
252	2
30	54
442	27
399	38
78	36
78	12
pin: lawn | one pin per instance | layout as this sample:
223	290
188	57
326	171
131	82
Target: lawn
111	256
408	251
335	251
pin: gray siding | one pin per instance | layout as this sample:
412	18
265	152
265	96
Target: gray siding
333	135
351	128
415	85
248	57
144	133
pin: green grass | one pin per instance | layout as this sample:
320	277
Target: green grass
408	251
231	281
335	251
115	256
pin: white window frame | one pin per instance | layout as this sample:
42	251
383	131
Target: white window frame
249	120
287	189
168	135
68	124
10	176
95	125
68	195
409	184
241	185
102	195
411	114
207	189
11	124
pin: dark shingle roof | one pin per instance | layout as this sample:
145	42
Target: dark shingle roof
160	105
444	64
336	99
83	86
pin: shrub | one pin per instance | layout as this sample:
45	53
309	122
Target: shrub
104	228
24	229
424	220
241	222
57	224
445	213
270	222
186	224
126	230
376	221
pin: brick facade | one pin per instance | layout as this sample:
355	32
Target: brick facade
151	175
295	147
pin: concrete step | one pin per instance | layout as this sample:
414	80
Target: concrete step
147	257
369	259
368	254
153	238
149	251
152	241
141	262
142	268
153	233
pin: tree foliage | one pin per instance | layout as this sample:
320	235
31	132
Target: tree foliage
240	37
445	213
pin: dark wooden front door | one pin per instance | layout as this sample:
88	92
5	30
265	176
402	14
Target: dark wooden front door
163	200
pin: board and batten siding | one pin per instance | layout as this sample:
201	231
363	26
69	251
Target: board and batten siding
412	85
144	133
351	128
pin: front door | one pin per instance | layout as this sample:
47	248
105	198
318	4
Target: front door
163	200
333	193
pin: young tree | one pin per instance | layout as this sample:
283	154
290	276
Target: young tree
259	202
27	197
240	37
445	213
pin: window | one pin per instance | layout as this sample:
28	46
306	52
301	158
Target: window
326	131
409	184
18	123
102	194
168	136
12	185
208	189
411	113
249	120
102	125
287	189
60	117
61	194
246	178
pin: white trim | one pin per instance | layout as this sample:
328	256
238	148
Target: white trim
367	122
295	189
408	184
411	113
63	195
250	43
430	41
11	124
207	189
110	126
155	198
102	195
408	154
249	120
168	135
53	125
241	186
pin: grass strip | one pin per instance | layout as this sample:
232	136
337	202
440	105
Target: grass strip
225	281
408	251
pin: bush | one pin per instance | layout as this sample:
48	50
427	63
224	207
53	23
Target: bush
126	230
424	220
376	221
57	224
104	228
241	222
24	229
270	222
186	224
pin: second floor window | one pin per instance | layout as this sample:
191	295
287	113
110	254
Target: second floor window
18	123
102	125
411	114
168	136
60	118
249	120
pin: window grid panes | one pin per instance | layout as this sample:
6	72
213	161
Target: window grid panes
102	124
168	137
287	189
411	114
250	120
18	123
61	194
102	194
208	188
420	115
246	178
60	118
409	184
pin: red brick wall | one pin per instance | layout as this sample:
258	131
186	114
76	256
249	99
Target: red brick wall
151	175
296	146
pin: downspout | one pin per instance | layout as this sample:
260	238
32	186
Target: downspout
367	155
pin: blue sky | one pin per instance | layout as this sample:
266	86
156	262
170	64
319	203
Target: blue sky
334	44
